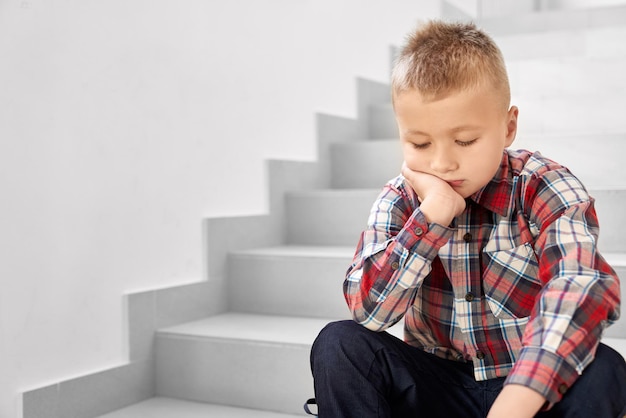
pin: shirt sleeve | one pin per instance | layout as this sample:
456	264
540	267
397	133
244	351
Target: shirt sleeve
580	294
393	257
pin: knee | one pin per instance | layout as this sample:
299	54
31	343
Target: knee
339	341
335	335
610	366
601	389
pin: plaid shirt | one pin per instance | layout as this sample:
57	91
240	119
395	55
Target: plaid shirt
515	284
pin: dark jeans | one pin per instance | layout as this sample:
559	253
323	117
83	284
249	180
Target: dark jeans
359	373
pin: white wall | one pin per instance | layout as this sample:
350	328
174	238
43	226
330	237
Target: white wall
124	123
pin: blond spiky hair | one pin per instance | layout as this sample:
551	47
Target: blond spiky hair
439	58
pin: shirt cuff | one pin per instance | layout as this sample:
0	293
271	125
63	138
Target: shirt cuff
420	237
545	372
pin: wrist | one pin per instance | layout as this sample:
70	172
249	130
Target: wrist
439	211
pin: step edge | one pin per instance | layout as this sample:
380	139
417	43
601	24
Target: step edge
296	251
180	332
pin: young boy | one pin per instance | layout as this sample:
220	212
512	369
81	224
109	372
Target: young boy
489	255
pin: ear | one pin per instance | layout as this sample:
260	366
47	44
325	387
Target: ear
511	125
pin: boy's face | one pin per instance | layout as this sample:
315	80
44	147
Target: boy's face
458	138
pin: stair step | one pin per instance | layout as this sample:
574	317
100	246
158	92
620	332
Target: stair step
161	407
572	113
337	217
327	217
554	77
370	164
577	42
290	280
557	20
591	157
365	164
243	360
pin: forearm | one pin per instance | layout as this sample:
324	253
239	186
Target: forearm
516	401
388	269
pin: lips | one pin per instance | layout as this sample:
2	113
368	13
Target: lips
455	183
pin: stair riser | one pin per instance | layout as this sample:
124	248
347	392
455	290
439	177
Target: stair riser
331	219
370	164
293	286
365	165
237	373
560	77
327	219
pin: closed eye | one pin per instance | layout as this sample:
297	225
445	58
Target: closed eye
420	146
465	143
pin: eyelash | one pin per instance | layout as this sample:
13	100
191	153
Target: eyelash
460	143
466	143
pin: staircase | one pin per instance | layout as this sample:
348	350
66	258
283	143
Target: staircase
280	275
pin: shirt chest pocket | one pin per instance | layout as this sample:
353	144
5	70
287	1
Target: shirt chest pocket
510	281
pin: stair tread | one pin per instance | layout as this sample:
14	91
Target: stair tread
614	258
251	327
161	407
329	192
299	251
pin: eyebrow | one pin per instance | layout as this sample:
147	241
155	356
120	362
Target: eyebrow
457	129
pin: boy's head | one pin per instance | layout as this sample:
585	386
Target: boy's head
451	98
440	58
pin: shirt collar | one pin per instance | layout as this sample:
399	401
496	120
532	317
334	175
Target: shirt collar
497	194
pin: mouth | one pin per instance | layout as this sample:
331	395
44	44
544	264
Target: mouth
455	183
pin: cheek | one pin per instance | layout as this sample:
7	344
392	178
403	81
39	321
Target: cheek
414	160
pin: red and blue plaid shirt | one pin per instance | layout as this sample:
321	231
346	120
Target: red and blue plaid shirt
515	284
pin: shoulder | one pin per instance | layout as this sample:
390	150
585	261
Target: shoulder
542	182
526	163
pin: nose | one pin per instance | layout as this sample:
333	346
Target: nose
443	161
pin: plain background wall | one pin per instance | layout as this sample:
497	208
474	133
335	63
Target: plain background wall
124	123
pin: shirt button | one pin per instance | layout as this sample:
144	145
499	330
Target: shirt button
469	296
395	265
562	388
419	231
480	356
467	237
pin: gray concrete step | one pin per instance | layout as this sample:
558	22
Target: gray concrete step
560	76
306	281
290	280
161	407
327	217
247	361
243	360
337	217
